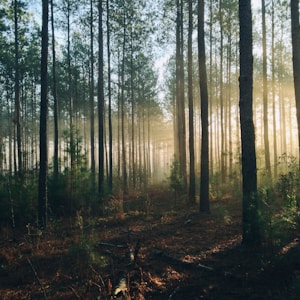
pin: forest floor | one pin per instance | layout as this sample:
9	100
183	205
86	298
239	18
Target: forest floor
158	253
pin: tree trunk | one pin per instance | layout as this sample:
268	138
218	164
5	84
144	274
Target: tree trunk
191	106
249	172
180	107
70	93
55	108
110	173
17	92
273	97
296	60
124	169
204	181
265	91
222	132
100	104
42	197
132	77
92	112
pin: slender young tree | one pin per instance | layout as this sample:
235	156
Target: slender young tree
296	60
249	172
204	181
42	197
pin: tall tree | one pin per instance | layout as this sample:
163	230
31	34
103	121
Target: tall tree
42	197
180	103
222	129
273	92
110	173
296	60
204	181
249	172
265	90
192	187
100	103
55	108
92	113
68	12
17	118
122	106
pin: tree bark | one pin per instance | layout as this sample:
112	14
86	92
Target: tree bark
100	104
192	187
249	172
204	181
265	91
180	106
17	118
55	108
273	95
42	197
296	60
110	173
92	112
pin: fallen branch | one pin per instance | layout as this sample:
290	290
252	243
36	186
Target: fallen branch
37	278
111	245
186	264
181	262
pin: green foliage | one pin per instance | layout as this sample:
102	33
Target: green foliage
84	251
175	179
72	189
279	212
221	212
18	199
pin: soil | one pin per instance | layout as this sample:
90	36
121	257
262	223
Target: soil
154	252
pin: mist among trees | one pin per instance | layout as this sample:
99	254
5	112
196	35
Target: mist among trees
139	111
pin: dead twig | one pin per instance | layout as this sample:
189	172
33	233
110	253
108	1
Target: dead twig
99	276
37	278
74	292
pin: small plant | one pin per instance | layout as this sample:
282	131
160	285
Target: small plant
176	180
